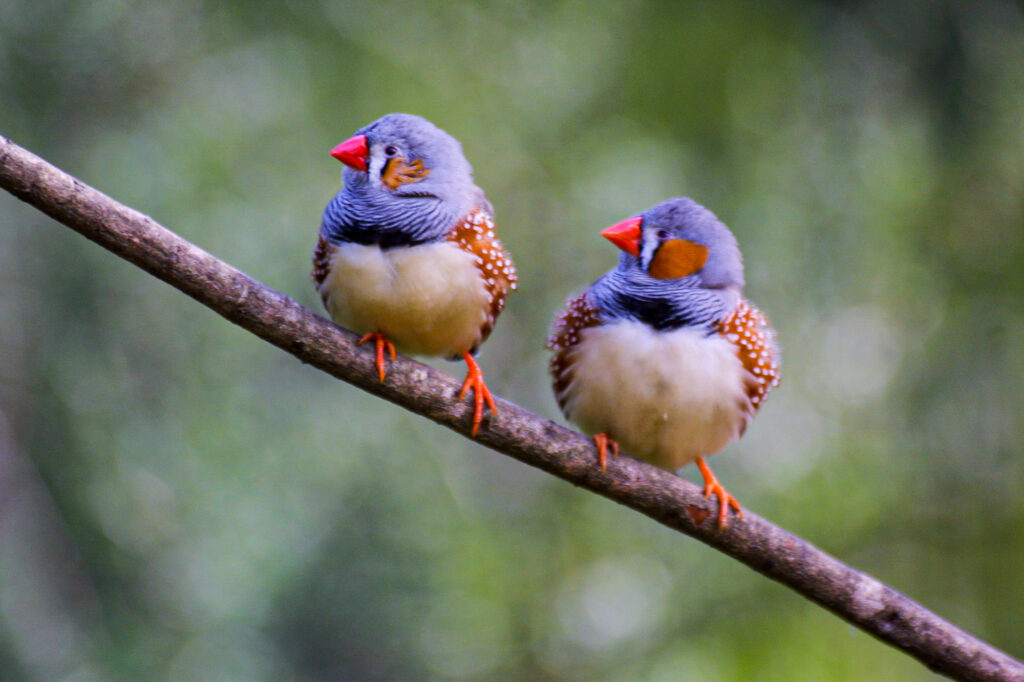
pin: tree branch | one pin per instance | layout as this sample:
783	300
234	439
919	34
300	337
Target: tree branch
666	498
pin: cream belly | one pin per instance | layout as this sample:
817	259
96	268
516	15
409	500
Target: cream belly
666	397
428	299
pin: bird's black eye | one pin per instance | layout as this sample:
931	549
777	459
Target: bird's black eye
662	235
391	150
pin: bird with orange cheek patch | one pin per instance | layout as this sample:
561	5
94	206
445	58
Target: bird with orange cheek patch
408	255
663	354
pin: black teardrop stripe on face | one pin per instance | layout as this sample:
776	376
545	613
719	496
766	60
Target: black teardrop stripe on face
677	258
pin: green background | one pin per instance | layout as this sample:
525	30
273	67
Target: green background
179	500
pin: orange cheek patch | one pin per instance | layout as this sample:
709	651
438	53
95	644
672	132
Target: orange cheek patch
399	172
678	258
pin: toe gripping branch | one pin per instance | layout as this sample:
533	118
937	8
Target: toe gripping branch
475	381
474	376
602	443
725	500
382	344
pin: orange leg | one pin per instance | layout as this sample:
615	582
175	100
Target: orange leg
602	441
382	344
725	500
475	380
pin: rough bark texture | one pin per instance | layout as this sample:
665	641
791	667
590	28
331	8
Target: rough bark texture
539	442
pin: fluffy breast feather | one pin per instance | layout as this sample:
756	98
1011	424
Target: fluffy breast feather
428	299
667	397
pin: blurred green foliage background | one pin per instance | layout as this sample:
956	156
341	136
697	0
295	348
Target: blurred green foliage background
179	500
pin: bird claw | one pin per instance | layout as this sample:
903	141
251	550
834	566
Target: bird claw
475	381
725	500
382	344
601	442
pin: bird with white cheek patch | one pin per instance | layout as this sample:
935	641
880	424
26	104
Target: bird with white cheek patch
663	354
408	254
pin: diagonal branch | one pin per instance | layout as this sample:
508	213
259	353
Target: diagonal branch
668	499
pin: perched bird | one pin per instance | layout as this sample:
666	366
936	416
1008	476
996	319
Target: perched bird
408	254
663	354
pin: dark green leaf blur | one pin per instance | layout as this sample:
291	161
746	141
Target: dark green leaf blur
179	500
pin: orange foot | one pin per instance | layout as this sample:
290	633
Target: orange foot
475	380
382	344
602	441
725	500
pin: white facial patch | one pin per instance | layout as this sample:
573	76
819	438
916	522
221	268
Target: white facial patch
648	247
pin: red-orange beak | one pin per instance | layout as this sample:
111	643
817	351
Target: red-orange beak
625	235
352	152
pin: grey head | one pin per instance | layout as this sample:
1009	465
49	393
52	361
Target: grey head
406	182
679	266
